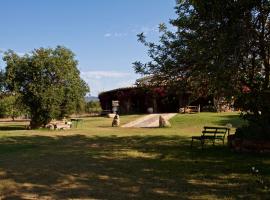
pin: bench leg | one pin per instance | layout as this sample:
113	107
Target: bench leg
191	145
202	143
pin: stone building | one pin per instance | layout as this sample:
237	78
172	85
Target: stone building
142	98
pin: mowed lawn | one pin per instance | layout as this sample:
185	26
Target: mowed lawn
96	161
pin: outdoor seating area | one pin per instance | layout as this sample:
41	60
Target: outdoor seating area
212	134
189	109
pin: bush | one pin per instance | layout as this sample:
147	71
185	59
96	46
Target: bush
254	131
10	106
92	107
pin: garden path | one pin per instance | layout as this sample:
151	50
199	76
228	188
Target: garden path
148	121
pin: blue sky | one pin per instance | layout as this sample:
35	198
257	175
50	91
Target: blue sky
102	33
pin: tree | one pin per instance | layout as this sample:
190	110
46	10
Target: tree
47	81
93	107
219	48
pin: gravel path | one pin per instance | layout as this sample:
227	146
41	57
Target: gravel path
148	121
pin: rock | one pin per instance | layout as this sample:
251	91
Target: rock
116	121
62	126
163	123
50	126
59	125
248	145
229	125
182	110
69	123
150	110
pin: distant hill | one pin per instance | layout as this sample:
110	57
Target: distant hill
91	98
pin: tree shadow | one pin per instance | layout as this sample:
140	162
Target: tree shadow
12	127
13	121
132	167
235	120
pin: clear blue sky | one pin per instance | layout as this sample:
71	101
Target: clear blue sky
102	33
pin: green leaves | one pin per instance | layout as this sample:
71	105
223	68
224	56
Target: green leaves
48	81
218	47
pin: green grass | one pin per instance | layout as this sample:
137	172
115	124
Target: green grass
96	161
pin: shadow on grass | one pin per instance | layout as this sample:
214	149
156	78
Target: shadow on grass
12	127
133	167
235	120
13	121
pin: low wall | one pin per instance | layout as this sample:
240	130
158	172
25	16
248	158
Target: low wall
248	145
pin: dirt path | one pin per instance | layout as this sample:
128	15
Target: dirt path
148	121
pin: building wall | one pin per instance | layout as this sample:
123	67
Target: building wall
138	100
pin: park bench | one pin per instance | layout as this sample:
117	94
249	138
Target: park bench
212	134
190	109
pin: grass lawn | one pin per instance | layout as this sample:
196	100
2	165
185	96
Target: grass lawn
96	161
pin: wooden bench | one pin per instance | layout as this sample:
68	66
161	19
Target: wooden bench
190	109
212	134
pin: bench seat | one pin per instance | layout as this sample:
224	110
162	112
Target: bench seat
212	134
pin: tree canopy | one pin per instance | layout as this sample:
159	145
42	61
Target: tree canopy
48	82
218	47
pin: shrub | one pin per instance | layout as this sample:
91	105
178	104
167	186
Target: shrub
254	131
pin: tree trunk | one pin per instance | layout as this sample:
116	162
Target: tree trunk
267	74
34	124
37	121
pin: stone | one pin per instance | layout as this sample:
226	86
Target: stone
248	145
229	125
182	110
50	126
61	126
116	121
150	110
163	123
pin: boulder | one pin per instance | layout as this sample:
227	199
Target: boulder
116	121
182	110
50	126
61	126
150	110
164	123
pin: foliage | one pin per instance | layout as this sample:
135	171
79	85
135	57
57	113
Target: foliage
258	106
255	131
10	106
219	48
93	107
48	82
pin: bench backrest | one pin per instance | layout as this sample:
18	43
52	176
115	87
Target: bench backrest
193	107
214	131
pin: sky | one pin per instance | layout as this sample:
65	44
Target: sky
101	33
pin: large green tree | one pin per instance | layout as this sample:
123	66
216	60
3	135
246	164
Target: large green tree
219	48
48	82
